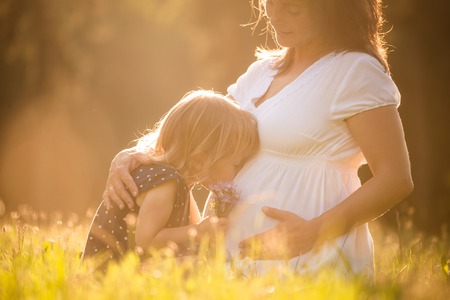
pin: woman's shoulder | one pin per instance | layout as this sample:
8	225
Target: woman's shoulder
262	65
355	59
253	81
362	84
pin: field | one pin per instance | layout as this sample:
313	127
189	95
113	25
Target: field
40	259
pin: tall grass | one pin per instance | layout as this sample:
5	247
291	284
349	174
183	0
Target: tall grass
40	259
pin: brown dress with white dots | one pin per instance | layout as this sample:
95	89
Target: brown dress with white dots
112	231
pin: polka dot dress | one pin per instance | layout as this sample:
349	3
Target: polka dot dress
112	231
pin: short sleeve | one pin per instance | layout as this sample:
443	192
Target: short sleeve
148	176
365	86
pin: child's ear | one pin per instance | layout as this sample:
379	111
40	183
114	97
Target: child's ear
198	161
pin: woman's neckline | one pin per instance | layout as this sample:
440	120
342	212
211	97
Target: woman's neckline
302	74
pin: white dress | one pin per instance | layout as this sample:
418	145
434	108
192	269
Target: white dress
308	161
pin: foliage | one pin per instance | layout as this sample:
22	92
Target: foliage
41	260
77	78
224	198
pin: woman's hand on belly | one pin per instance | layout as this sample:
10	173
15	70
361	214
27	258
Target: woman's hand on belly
292	237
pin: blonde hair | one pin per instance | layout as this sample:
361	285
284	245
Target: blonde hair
203	123
346	25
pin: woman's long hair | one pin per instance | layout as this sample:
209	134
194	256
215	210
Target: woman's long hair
346	25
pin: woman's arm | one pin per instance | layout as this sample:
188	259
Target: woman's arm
120	184
380	135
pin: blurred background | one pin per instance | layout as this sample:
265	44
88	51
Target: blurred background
79	80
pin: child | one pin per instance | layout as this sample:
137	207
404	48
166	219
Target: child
204	139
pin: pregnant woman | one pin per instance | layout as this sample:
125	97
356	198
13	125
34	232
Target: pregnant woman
325	105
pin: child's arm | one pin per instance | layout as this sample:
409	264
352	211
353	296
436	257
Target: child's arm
155	208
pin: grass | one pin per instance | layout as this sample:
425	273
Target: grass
40	259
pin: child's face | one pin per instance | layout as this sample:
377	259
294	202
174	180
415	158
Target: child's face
224	170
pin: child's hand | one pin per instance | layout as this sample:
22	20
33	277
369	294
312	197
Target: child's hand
212	226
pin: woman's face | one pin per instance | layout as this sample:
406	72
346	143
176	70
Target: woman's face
292	21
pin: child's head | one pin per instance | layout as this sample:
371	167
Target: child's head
204	128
